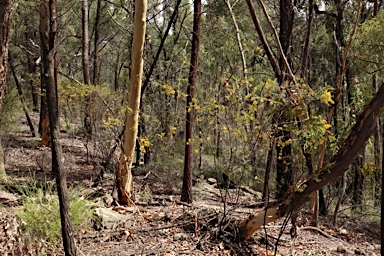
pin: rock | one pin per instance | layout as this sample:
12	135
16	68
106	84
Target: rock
180	236
341	248
108	200
212	181
343	231
5	196
359	251
109	219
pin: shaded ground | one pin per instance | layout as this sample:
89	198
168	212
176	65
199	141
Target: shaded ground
160	225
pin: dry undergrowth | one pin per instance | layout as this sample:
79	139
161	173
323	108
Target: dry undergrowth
161	225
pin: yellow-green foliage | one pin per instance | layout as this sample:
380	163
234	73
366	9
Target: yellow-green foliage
41	215
104	107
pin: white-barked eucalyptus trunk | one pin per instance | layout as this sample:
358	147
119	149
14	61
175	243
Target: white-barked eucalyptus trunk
124	178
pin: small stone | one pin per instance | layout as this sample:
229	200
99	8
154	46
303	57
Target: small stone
108	200
108	218
341	248
343	231
212	181
180	236
358	251
5	196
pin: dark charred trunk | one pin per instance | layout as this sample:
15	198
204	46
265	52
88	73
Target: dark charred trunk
358	182
284	175
284	171
48	30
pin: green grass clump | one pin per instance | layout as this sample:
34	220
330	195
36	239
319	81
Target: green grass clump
41	215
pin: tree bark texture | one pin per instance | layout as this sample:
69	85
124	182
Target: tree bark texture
96	64
382	193
124	178
285	32
85	42
86	67
377	150
186	192
6	11
44	69
307	43
284	169
335	168
48	30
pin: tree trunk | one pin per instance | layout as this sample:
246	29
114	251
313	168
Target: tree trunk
20	92
6	11
85	42
263	39
376	146
337	165
124	178
304	68
382	193
358	182
186	193
85	64
339	200
267	175
96	65
284	170
44	79
48	29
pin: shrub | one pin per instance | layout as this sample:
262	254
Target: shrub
41	215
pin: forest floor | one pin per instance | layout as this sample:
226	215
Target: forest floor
158	224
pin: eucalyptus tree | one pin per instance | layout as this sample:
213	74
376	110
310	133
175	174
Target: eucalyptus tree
86	65
124	176
186	191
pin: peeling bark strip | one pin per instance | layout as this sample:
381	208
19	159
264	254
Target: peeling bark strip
334	169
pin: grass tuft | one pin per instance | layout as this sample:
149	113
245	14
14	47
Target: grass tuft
40	215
